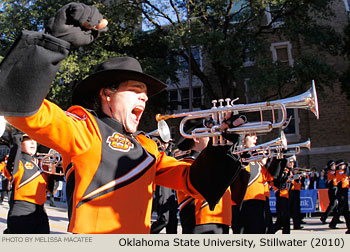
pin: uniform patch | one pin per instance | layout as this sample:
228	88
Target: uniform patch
119	142
28	165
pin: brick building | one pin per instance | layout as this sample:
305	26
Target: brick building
330	135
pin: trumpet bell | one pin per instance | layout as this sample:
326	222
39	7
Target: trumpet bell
2	125
307	100
164	131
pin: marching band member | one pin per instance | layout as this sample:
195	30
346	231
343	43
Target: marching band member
195	215
332	190
27	214
294	197
4	180
342	196
165	200
110	170
252	214
281	188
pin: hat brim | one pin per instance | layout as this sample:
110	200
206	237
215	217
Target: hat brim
89	86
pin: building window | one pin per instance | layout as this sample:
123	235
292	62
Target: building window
196	54
185	98
249	58
282	52
173	100
178	99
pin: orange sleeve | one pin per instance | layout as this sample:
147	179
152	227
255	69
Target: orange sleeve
2	167
51	126
170	172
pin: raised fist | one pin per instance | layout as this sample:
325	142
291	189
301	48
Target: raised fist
77	23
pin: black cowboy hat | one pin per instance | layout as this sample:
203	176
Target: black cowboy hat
338	163
330	163
114	71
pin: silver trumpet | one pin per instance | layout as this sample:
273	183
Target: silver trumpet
307	100
265	150
277	151
295	149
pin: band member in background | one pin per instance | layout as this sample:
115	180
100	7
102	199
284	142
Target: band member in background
110	170
332	191
252	217
342	196
27	214
281	188
165	200
5	184
195	215
294	197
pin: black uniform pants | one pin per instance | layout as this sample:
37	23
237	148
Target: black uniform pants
252	217
283	217
343	208
33	223
332	203
294	200
166	211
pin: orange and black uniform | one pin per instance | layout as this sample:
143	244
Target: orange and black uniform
332	191
342	197
105	166
294	202
252	213
282	203
195	215
29	185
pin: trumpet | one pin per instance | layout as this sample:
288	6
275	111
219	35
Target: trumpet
162	131
51	162
307	100
265	150
277	151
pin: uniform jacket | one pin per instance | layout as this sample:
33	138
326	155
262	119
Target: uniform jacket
28	180
196	211
342	179
331	179
256	184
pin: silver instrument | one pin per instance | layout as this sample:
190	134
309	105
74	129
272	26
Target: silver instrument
307	100
50	162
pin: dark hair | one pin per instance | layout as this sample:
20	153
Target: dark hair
94	100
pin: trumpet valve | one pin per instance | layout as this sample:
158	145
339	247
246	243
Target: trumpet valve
228	102
214	102
221	101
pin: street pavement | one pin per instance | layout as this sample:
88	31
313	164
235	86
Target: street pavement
58	220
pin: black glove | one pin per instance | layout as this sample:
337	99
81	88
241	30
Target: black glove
75	24
231	136
245	155
213	171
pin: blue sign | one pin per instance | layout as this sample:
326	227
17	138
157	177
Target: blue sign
308	199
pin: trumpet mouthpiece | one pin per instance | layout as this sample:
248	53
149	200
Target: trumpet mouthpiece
160	117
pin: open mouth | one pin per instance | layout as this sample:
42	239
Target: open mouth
137	112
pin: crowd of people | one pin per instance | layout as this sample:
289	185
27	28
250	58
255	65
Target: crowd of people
110	168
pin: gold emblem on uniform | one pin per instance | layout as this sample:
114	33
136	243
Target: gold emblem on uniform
119	142
28	165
